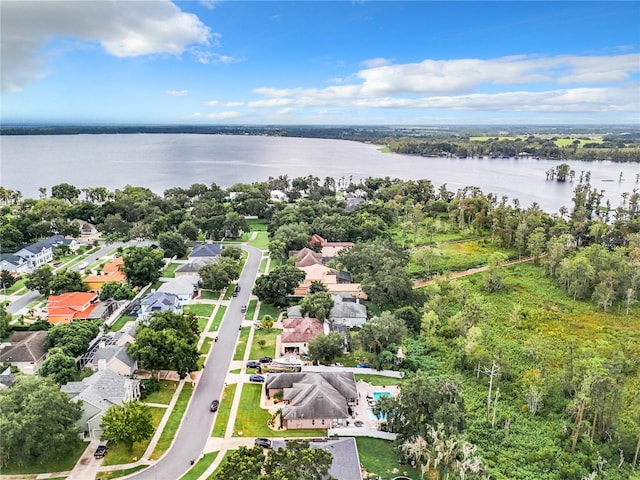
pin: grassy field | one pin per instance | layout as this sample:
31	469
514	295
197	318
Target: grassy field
379	459
170	429
169	271
60	463
560	142
109	475
222	417
206	345
16	286
252	421
267	309
118	324
269	336
241	346
200	467
199	309
202	323
228	293
261	241
165	394
218	318
378	380
120	454
251	309
275	262
258	224
263	265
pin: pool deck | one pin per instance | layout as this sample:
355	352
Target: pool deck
365	390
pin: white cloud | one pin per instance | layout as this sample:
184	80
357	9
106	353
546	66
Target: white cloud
212	103
286	111
122	28
209	4
375	62
464	85
223	115
177	93
234	104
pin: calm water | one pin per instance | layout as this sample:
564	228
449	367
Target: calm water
161	161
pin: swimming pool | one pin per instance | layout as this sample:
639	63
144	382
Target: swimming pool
377	396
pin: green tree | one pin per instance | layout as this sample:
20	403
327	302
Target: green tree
59	366
189	230
37	421
381	333
231	251
66	192
5	322
74	337
116	291
295	236
495	274
242	464
410	316
278	250
536	244
67	281
326	347
298	462
127	424
7	279
234	224
317	305
275	287
317	286
173	244
142	265
40	280
218	275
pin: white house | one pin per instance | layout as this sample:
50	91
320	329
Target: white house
158	302
184	287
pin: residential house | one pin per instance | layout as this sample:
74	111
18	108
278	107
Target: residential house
352	202
97	393
346	310
14	264
297	334
207	251
328	249
85	227
111	351
25	350
306	257
336	281
71	306
185	287
7	378
112	271
314	399
41	253
158	302
345	461
278	196
192	267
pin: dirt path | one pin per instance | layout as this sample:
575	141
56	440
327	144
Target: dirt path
471	271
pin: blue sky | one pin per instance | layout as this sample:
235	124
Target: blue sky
270	62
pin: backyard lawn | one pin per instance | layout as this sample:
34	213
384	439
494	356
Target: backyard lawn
379	459
169	271
269	349
118	324
378	380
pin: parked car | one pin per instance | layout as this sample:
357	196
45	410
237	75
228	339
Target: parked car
363	365
256	378
265	359
101	451
234	294
263	442
214	406
253	364
243	309
358	423
237	289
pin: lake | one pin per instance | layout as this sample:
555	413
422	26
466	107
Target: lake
161	161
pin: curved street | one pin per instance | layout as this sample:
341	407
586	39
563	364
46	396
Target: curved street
197	423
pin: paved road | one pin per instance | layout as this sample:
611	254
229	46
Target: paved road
198	421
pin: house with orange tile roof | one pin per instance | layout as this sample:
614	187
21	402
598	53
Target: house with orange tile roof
328	249
336	281
297	334
71	306
112	271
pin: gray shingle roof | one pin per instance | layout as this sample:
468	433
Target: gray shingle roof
102	389
206	250
159	299
24	347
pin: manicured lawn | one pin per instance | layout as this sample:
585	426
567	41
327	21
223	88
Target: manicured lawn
379	459
60	463
121	454
199	309
269	349
209	294
252	420
263	264
202	323
173	423
229	291
267	309
258	224
165	394
218	318
170	269
119	323
274	263
16	286
261	241
222	417
200	467
206	345
378	379
119	473
241	346
251	309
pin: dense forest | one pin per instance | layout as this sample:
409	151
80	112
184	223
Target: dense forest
523	370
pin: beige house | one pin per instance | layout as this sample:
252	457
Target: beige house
314	399
336	281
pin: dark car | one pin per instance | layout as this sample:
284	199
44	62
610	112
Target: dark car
256	378
358	423
363	365
253	364
214	406
265	359
263	442
101	451
237	289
